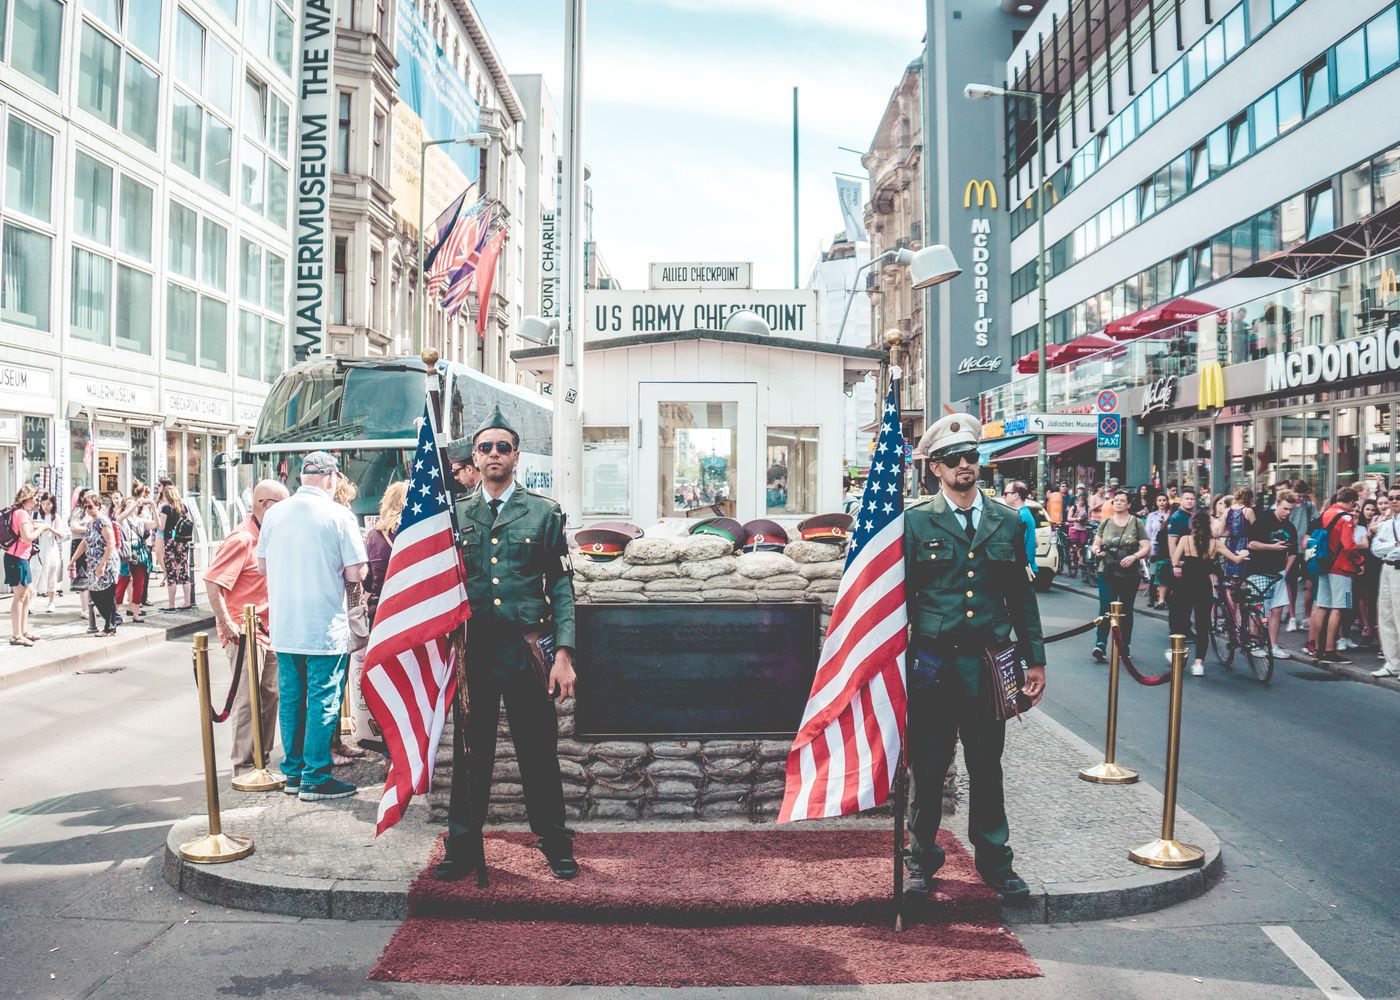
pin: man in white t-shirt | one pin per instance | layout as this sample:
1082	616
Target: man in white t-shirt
308	548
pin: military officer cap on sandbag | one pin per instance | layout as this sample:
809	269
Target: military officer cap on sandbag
830	528
496	421
605	542
957	432
764	535
721	527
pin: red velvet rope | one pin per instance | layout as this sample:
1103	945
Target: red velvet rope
232	688
1127	662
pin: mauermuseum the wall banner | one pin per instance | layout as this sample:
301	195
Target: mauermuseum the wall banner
315	108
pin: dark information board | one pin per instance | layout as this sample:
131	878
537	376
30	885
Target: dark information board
669	671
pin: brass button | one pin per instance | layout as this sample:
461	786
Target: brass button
495	541
969	614
932	557
493	560
971	553
969	593
497	602
527	541
970	574
495	579
541	621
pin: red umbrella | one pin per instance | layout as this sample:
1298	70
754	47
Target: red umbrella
1063	354
1146	320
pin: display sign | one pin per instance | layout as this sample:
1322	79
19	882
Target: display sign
672	274
1355	357
201	409
1012	426
315	110
112	436
1108	454
1110	437
789	312
104	394
24	381
1107	401
247	414
606	456
1058	423
986	363
1159	395
549	266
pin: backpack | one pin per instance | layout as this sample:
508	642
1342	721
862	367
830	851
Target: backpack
183	530
1317	551
8	535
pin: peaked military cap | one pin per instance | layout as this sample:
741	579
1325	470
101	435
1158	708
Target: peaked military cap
831	528
605	542
495	421
764	535
723	527
954	433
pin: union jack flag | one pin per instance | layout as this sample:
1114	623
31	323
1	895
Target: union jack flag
410	677
463	279
845	754
455	248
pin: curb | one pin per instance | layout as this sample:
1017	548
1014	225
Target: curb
1346	671
99	652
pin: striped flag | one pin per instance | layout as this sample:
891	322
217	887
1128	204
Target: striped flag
410	678
435	236
847	748
463	276
486	277
455	248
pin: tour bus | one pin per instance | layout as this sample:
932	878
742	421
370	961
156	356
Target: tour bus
365	412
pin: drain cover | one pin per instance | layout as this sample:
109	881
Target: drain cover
100	670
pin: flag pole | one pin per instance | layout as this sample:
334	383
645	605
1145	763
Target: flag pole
901	773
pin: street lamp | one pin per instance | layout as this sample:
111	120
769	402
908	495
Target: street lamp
539	329
982	92
747	321
930	266
477	140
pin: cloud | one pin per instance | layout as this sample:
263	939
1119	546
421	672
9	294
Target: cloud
892	19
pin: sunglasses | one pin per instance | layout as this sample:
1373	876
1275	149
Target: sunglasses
971	457
502	447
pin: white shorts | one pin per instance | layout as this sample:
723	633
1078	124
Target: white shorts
1277	595
1334	591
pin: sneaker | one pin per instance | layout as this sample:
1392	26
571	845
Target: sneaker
1281	654
1099	654
332	789
1385	672
292	786
1292	625
1198	669
1310	649
1344	644
49	610
1332	658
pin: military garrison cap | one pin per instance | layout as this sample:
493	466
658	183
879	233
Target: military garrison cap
606	541
495	421
459	450
764	535
831	528
951	434
723	527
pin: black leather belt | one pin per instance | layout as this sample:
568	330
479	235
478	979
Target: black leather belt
968	644
1393	563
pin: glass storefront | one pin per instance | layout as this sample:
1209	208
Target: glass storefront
791	486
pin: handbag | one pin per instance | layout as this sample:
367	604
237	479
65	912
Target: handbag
1004	673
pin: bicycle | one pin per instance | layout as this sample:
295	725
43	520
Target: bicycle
1088	562
1069	557
1238	620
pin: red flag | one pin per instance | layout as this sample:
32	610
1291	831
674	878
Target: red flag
410	677
843	759
486	277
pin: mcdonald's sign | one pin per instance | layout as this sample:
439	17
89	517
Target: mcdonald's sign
986	194
1212	386
1389	284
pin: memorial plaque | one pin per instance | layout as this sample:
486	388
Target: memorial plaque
672	671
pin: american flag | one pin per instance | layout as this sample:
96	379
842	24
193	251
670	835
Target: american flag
409	677
436	235
844	757
455	249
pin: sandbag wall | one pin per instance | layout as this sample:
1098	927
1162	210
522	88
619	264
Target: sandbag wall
671	779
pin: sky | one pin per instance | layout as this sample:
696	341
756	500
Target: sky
688	117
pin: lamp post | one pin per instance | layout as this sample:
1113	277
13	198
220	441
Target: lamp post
477	140
900	255
982	92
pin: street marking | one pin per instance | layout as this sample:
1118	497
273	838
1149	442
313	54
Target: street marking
1324	977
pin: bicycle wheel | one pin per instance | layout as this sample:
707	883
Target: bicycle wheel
1257	647
1222	638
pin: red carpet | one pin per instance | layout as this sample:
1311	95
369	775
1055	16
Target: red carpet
734	908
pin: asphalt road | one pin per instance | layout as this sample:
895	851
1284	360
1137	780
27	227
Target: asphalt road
1296	778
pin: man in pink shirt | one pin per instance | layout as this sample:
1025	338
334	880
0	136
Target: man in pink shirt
231	581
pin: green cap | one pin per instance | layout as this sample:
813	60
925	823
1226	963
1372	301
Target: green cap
495	421
459	450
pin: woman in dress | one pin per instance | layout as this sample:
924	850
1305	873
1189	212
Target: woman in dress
176	532
78	571
99	546
48	576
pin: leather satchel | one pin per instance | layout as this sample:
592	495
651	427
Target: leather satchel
1004	671
540	647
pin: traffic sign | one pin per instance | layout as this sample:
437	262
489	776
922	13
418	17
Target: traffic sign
1060	423
1110	436
1108	401
1109	455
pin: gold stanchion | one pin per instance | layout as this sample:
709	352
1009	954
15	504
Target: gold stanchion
217	846
259	779
1109	772
346	727
1167	851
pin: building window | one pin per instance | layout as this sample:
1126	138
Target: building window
791	486
181	323
215	266
1356	193
342	133
376	262
184	229
1382	43
213	334
135	296
698	456
205	68
250	272
1290	103
1265	115
380	158
29	170
1320	214
26	263
134	219
340	285
251	188
36	38
98	66
249	344
1349	60
1316	88
1385	178
186	131
92	196
91	317
197	324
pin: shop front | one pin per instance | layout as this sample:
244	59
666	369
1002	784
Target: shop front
199	430
27	430
111	431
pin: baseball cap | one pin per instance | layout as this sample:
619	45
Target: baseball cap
319	463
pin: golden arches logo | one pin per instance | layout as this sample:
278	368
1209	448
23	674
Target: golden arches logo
986	193
1389	283
1212	386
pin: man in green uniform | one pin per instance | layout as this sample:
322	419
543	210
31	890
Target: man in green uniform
966	589
520	585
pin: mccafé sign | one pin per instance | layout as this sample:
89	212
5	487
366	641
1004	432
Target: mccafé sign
1353	358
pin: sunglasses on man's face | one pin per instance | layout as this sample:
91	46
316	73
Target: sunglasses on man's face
502	447
971	457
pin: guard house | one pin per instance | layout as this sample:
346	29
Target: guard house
685	423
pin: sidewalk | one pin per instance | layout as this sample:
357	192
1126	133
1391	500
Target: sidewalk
65	645
1071	839
1363	660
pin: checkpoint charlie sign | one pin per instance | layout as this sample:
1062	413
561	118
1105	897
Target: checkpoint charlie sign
673	274
790	312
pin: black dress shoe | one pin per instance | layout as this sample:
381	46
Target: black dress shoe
919	885
560	855
1009	884
464	856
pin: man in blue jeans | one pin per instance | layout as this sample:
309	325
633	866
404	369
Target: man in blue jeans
309	547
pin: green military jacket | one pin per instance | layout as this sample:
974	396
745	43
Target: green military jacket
976	588
518	572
